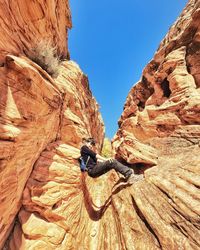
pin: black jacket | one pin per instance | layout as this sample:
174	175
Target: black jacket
85	153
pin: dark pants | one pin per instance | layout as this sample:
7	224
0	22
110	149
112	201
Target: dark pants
103	167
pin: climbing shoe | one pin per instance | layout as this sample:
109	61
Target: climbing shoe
128	174
134	178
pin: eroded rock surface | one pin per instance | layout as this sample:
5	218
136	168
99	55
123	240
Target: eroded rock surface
159	130
61	207
46	215
44	110
35	109
28	112
25	23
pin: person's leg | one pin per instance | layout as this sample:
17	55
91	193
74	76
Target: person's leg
127	172
122	169
99	169
103	167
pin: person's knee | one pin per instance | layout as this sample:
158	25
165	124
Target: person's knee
91	174
112	163
115	161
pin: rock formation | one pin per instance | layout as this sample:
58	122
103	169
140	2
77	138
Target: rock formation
25	23
159	130
35	109
43	120
107	151
56	178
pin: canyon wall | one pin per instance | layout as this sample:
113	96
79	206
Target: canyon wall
37	110
44	119
53	191
25	23
159	135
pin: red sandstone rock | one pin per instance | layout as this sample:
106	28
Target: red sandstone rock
160	127
47	111
65	209
28	112
25	23
36	110
79	116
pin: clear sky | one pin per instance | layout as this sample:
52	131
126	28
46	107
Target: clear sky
112	41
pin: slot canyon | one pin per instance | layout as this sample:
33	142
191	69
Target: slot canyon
46	202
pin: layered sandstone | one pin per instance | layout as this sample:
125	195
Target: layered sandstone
53	192
35	109
25	109
62	208
24	23
159	130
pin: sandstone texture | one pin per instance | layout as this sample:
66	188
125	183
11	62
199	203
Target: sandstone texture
24	23
159	130
52	196
35	109
43	121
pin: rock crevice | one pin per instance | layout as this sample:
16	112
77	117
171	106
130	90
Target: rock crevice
43	121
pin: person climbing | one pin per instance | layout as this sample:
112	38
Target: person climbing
98	165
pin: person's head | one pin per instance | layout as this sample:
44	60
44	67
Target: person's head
90	142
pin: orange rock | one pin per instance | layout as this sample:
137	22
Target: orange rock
36	110
80	117
61	207
160	126
57	111
25	23
162	110
27	116
93	215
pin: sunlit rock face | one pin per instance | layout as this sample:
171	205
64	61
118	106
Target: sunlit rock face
159	130
53	201
29	109
25	23
30	102
43	123
35	109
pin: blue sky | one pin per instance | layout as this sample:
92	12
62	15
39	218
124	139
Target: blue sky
112	41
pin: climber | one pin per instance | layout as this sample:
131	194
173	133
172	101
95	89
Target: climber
98	165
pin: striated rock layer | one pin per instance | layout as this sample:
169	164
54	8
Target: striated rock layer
25	23
30	102
28	112
61	207
159	130
35	109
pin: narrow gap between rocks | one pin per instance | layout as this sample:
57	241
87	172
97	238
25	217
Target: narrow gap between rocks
165	87
142	217
138	167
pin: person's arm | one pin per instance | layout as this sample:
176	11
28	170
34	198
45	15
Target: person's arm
88	151
101	158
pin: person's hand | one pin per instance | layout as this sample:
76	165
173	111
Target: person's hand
111	160
98	160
